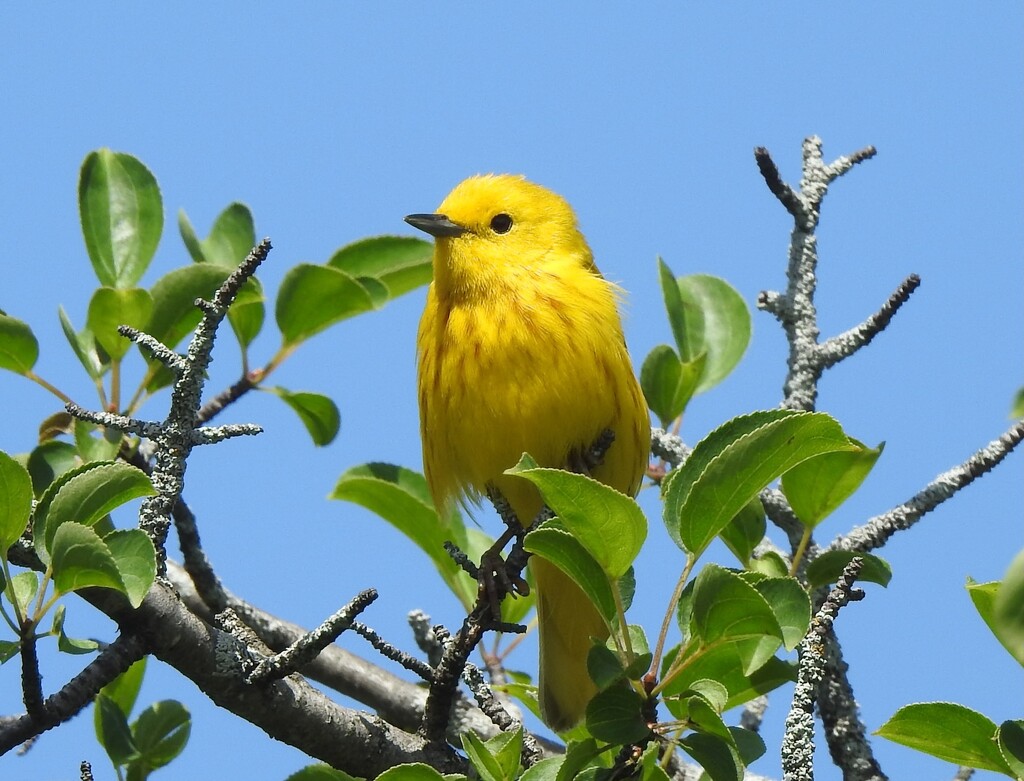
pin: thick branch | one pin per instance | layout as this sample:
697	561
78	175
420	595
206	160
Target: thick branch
798	743
289	709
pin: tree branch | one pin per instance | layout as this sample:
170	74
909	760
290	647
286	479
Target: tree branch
798	742
79	692
877	531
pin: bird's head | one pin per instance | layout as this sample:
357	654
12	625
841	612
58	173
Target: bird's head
492	230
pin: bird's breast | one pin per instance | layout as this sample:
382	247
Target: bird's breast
539	367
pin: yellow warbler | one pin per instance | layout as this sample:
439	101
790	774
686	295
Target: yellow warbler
520	349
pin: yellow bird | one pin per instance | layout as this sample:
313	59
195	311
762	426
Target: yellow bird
520	349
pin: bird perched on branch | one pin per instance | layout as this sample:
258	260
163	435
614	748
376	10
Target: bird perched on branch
520	349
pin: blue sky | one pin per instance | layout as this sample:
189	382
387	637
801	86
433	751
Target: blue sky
332	121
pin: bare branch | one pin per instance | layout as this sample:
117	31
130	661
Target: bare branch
408	661
879	529
668	447
787	196
795	308
846	344
177	436
228	396
289	709
143	428
75	695
159	350
309	646
845	732
798	742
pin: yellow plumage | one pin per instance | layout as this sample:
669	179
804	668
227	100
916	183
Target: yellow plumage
520	349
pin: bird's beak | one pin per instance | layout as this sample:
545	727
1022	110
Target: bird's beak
435	224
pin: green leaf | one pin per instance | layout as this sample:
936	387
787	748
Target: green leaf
86	496
713	692
402	263
749	744
124	689
8	650
19	349
109	308
400	496
161	732
680	320
771	564
1010	739
704	718
724	325
745	531
983	595
642	656
485	764
579	754
22	589
80	559
122	216
616	715
650	769
1008	609
734	463
112	730
83	344
174	311
317	412
1017	409
830	565
545	770
668	383
564	551
190	238
947	731
320	772
65	644
727	609
718	757
135	557
627	588
604	666
312	298
104	447
791	606
48	461
507	748
15	501
819	485
416	771
231	238
609	524
247	312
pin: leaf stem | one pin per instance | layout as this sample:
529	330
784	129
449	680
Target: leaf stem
667	621
801	548
115	385
54	390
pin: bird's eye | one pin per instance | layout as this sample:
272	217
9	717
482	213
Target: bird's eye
501	223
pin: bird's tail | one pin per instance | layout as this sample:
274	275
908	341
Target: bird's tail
566	620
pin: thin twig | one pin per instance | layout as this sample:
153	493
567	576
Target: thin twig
228	396
307	648
877	531
846	344
408	661
532	753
